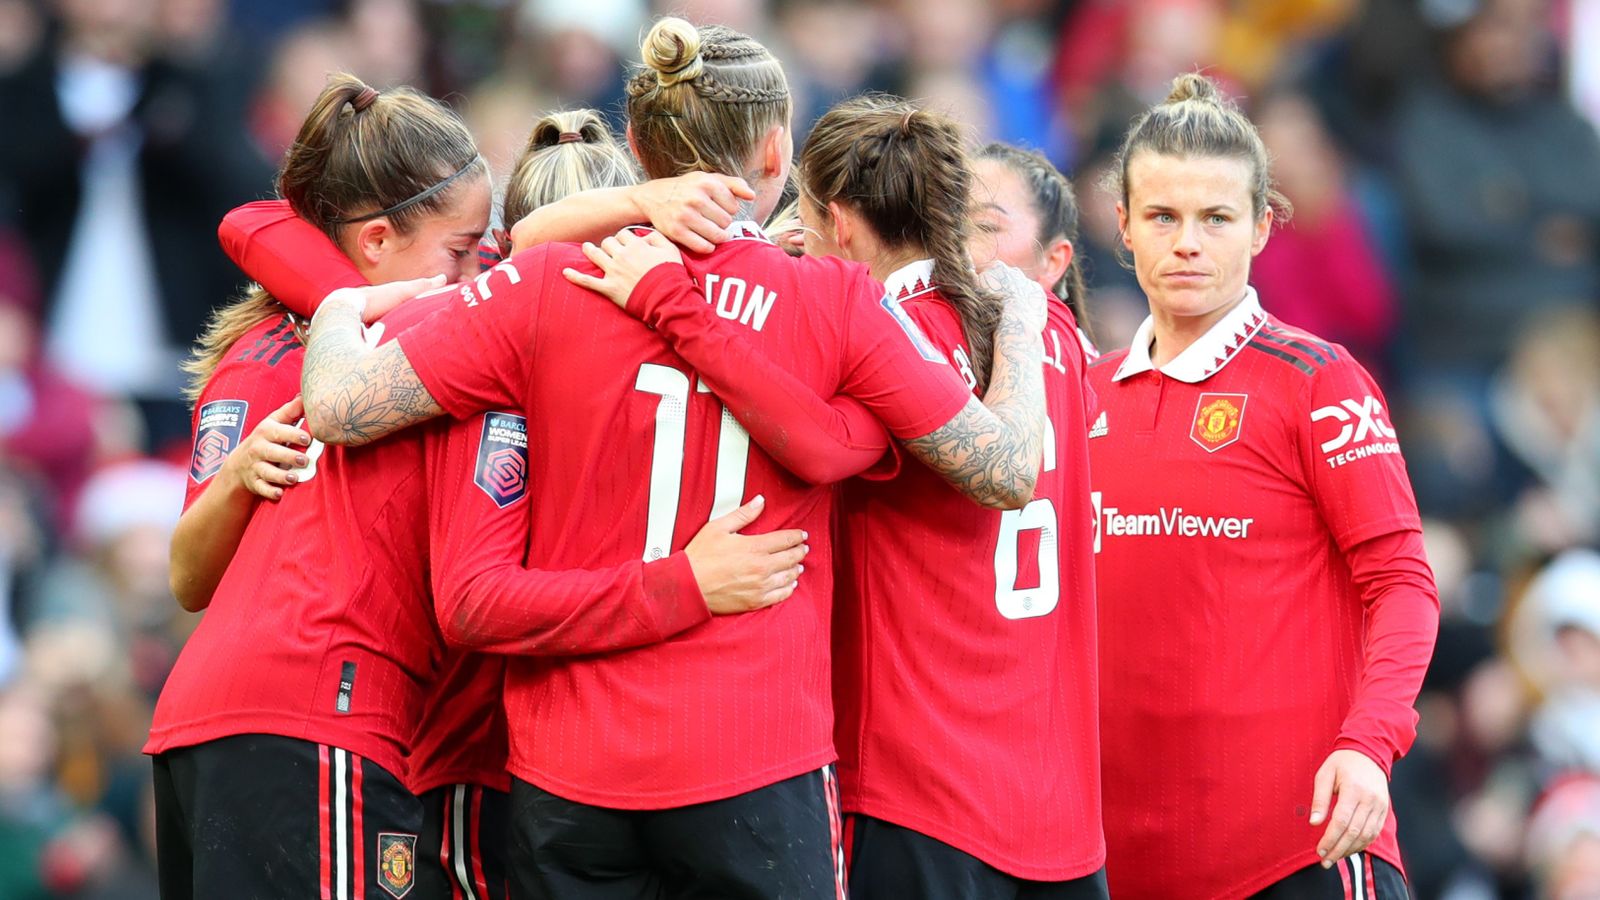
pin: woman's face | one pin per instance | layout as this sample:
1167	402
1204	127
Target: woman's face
446	241
1190	227
1005	223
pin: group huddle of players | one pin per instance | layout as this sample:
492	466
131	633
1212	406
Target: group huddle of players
752	552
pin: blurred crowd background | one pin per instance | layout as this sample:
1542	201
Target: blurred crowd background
1441	156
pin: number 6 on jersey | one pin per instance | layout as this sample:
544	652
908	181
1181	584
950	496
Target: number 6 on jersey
1026	603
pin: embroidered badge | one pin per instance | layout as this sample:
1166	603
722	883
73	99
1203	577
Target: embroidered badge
1217	420
397	870
221	425
502	470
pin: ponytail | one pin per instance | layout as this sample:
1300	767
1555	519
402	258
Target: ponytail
905	170
567	152
362	153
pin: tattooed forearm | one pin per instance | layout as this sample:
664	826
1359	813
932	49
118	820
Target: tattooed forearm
991	451
355	393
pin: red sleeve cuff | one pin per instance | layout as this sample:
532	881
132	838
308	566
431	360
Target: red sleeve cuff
672	596
1384	759
334	280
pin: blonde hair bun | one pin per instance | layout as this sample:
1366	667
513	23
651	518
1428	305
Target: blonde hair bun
1194	86
672	49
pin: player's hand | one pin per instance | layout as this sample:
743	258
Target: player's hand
262	462
1025	300
1362	807
624	258
739	573
373	300
693	210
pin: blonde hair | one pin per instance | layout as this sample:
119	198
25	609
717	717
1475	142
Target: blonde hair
567	152
905	171
224	328
1196	120
359	155
703	99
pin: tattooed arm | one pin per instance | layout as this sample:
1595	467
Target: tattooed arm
355	393
991	451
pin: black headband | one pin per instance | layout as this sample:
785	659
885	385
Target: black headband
412	201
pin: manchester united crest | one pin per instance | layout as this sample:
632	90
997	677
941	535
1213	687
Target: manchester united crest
397	870
1217	418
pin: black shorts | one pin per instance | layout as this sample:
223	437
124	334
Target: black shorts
891	861
780	841
1359	877
461	853
262	816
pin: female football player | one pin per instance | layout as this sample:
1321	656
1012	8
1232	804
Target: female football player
709	749
964	668
1266	612
358	830
1025	213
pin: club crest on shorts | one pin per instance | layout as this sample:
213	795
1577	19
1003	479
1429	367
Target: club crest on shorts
397	863
502	470
220	425
1217	418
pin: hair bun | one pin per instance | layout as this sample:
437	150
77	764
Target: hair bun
672	49
1194	86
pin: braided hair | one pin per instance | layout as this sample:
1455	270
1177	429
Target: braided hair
905	171
703	99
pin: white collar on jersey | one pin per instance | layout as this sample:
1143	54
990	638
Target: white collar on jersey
746	230
909	280
1206	356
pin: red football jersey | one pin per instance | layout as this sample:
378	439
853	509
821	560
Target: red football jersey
630	455
460	736
1231	489
324	626
259	373
965	679
478	538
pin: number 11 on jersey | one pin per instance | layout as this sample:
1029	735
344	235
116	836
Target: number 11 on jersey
666	458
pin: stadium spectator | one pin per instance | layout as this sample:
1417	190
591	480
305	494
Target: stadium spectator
1321	270
124	155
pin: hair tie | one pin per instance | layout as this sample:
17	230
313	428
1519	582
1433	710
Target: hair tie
570	137
364	99
684	65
